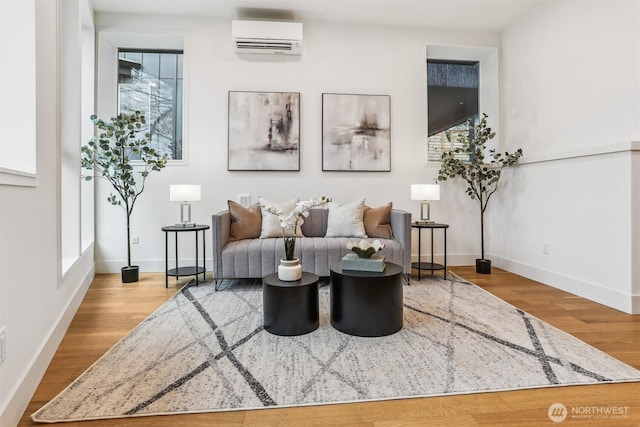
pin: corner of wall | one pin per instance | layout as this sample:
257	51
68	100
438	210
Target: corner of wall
82	274
626	303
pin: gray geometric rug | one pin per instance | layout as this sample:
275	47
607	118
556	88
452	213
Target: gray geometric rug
206	351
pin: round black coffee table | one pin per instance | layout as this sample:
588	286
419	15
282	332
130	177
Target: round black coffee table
366	304
290	308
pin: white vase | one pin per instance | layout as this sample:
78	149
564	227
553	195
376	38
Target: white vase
289	270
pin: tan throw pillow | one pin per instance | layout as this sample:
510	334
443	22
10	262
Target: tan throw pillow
376	221
246	223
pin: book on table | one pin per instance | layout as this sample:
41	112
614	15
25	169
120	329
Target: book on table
352	261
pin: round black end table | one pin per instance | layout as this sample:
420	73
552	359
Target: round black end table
290	308
365	303
194	270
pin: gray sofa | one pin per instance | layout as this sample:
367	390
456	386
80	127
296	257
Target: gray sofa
256	258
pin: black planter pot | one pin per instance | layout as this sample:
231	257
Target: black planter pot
483	266
130	274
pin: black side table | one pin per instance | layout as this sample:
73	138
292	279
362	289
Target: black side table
430	265
290	308
188	270
366	303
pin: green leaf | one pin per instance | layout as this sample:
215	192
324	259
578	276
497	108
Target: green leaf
482	171
110	152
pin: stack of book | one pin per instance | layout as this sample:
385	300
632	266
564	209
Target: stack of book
352	261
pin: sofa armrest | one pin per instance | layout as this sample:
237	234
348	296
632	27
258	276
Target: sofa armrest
221	230
401	227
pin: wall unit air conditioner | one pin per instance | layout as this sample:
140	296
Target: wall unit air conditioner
267	37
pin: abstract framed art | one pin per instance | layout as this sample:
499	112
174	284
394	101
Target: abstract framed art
264	131
356	132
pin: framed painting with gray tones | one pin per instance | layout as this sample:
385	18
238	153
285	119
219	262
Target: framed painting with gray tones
356	132
264	131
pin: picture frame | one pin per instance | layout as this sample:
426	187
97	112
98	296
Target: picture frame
356	132
264	131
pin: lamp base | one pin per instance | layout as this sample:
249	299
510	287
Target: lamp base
186	224
425	219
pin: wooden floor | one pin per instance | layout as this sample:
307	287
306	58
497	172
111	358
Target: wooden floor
111	309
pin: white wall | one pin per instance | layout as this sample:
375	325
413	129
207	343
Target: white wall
337	58
37	302
572	67
571	101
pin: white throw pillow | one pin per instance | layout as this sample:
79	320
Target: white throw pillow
271	223
346	220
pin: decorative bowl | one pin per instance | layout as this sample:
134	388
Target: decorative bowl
364	249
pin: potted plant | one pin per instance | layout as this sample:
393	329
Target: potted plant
482	173
118	154
290	268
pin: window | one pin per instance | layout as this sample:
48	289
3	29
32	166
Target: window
452	100
88	107
18	89
151	81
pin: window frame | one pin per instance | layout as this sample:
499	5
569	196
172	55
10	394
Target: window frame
488	90
453	141
178	91
18	162
110	42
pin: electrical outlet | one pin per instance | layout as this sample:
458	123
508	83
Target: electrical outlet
3	344
135	240
244	199
545	247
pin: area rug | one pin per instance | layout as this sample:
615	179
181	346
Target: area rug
206	350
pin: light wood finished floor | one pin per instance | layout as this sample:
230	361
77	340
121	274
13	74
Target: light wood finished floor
111	309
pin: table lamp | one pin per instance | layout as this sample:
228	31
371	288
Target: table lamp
185	194
425	193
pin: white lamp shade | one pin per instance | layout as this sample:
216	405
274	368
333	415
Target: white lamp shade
425	192
184	193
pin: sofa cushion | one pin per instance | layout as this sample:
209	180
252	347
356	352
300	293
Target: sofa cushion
376	221
271	223
260	257
346	220
245	222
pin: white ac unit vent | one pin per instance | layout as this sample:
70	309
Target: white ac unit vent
267	37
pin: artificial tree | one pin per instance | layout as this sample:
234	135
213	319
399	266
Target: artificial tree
119	152
481	172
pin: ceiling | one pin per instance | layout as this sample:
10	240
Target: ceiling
489	15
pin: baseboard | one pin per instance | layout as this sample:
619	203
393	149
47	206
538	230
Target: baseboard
84	272
635	304
624	302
